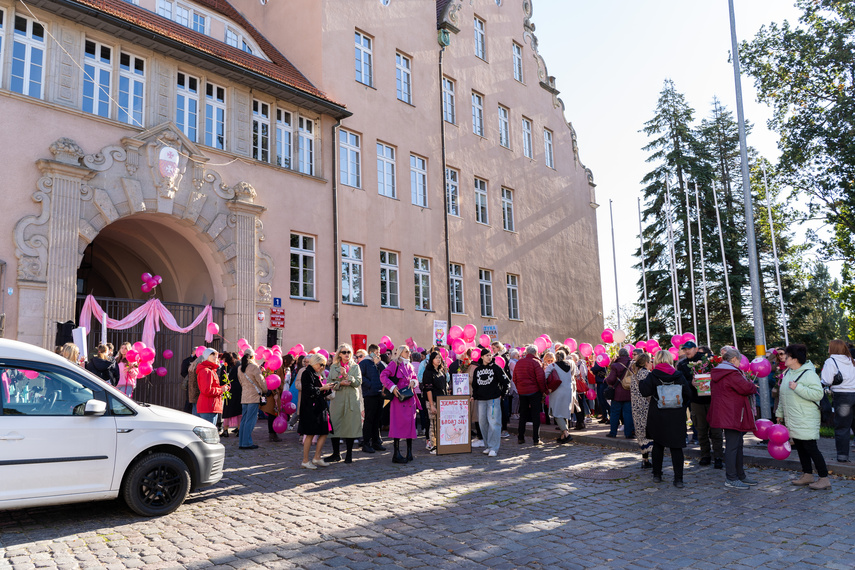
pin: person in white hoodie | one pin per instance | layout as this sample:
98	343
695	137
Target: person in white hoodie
843	388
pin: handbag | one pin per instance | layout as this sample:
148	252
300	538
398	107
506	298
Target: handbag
405	394
553	382
838	378
669	395
609	392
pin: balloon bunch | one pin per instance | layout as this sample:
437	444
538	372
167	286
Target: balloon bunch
778	436
287	408
144	357
386	345
150	282
272	357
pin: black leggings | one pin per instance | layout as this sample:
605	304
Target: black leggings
808	451
676	460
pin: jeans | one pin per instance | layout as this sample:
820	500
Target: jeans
676	460
808	451
210	417
530	408
247	423
490	420
195	412
371	425
733	455
843	404
601	400
709	438
622	409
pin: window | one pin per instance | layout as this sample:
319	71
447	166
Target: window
513	297
455	287
403	78
182	16
481	202
302	266
28	51
164	8
187	105
260	131
480	39
418	180
388	279
504	127
2	36
232	38
386	171
284	134
131	89
508	209
448	112
528	149
200	23
452	190
245	47
477	114
215	116
97	67
306	145
485	283
421	268
363	59
547	147
45	394
518	64
351	274
349	158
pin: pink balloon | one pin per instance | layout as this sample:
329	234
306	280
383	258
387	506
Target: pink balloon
571	344
147	354
629	348
674	352
641	344
760	366
162	371
31	374
603	360
385	340
299	347
779	451
548	339
458	346
200	350
744	363
273	382
139	345
677	340
586	349
277	349
469	332
382	349
484	340
761	428
599	349
213	328
324	353
145	277
290	408
540	343
454	333
167	354
592	394
443	352
274	362
448	362
689	337
280	424
778	434
242	341
474	354
500	361
158	279
608	336
132	355
145	288
287	397
145	368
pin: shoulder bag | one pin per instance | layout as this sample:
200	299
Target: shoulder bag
669	395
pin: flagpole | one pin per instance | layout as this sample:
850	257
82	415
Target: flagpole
614	258
691	264
643	271
703	263
724	268
775	253
675	289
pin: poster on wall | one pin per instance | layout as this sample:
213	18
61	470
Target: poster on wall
453	425
440	329
492	331
460	384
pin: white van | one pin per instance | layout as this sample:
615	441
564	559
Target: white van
66	436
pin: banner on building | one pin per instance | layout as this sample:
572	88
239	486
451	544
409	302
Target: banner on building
440	330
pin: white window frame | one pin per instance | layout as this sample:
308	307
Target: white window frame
195	17
183	15
386	182
364	58
548	148
389	280
260	130
131	87
164	8
232	38
4	17
421	277
480	38
485	287
452	190
528	142
418	180
455	288
189	124
349	158
97	77
449	113
31	47
478	114
305	145
504	127
352	268
482	212
215	115
403	78
284	138
516	52
303	253
508	209
513	287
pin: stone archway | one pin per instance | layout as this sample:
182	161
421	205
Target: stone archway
80	194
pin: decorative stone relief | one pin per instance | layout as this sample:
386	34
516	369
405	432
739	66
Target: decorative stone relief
244	191
194	206
31	247
105	205
103	160
134	194
66	151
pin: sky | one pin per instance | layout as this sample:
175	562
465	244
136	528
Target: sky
610	59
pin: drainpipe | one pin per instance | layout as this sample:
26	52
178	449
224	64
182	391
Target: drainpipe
336	248
444	40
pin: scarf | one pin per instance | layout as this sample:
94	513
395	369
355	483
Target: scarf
666	368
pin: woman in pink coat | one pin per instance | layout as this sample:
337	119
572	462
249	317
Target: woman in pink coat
396	377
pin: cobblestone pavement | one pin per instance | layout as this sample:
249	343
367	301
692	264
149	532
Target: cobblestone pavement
574	506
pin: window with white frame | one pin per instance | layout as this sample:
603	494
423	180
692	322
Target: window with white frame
131	89
284	137
363	56
547	147
452	190
455	287
182	16
260	130
302	266
508	209
28	52
187	105
421	269
245	47
448	111
504	127
518	62
481	215
164	8
351	274
403	78
97	71
386	171
389	279
477	114
513	297
2	38
480	39
200	23
528	147
418	180
485	284
349	158
215	116
306	145
232	38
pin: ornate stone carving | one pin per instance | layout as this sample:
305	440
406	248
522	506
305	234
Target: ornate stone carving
103	160
134	194
66	151
244	191
105	205
30	247
265	294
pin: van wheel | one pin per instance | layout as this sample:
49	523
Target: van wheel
156	485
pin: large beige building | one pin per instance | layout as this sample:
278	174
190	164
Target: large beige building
375	164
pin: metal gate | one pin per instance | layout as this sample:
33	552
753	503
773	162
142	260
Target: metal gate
154	389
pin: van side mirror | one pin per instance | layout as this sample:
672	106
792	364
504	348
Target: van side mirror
95	408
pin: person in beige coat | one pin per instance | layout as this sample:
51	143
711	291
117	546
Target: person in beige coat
346	407
253	385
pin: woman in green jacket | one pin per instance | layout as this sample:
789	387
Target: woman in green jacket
798	409
346	406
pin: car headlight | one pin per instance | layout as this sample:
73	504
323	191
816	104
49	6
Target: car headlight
207	434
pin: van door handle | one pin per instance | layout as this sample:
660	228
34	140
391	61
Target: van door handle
12	437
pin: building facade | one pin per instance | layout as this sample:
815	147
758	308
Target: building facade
375	164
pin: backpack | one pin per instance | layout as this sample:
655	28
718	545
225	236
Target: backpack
669	395
626	379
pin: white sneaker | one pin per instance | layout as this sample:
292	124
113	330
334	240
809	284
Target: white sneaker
320	463
477	442
505	434
492	453
308	465
433	451
486	451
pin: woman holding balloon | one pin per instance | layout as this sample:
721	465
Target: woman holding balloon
253	386
128	371
346	408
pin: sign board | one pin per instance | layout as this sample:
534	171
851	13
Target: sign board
277	318
277	301
491	331
260	316
460	384
453	425
79	336
440	330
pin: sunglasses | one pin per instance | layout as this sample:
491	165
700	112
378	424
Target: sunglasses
345	352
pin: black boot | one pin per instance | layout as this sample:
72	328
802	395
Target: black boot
645	463
409	450
336	448
396	456
348	457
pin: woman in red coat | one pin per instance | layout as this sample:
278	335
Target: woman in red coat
210	402
731	410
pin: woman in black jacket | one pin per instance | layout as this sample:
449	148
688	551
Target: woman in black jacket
489	384
435	383
666	427
100	365
314	418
